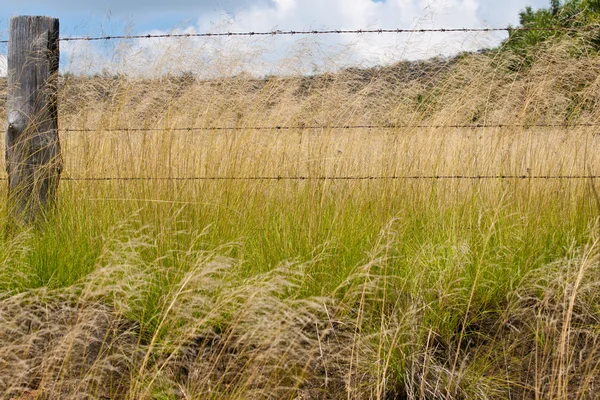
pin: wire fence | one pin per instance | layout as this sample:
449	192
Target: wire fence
339	178
330	178
279	32
308	126
330	127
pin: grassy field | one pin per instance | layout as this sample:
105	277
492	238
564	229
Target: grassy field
318	288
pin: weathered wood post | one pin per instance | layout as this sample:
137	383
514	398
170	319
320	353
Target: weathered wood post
33	158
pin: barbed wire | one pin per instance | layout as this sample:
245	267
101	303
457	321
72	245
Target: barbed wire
325	127
326	178
279	32
336	178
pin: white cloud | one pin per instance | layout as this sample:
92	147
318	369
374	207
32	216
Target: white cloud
296	54
360	14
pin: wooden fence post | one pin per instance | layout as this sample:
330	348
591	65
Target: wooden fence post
33	158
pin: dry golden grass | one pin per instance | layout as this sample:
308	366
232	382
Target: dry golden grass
477	89
317	289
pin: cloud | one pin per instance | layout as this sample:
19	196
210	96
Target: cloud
212	57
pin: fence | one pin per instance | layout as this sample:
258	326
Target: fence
314	32
35	81
326	127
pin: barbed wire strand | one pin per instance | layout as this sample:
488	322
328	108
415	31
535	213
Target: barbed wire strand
312	32
304	127
335	178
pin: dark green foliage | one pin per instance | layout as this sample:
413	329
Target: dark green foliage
554	23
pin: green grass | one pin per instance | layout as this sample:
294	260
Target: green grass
442	235
336	224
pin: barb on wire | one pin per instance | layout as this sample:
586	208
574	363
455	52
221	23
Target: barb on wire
325	127
310	32
336	178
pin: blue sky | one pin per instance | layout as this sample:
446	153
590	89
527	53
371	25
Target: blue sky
109	17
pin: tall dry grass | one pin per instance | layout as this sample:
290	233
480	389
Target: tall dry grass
383	289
